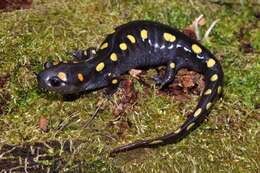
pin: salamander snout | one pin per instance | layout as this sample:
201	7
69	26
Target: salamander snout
63	78
48	78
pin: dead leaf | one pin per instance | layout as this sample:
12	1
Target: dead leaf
201	22
4	79
135	73
190	32
118	110
129	94
9	5
246	47
43	123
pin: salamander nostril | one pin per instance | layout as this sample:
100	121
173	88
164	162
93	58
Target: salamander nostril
55	82
48	64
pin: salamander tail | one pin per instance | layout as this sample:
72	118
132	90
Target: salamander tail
213	91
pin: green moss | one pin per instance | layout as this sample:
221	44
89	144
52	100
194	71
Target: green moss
51	29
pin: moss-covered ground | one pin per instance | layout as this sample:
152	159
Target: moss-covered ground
227	142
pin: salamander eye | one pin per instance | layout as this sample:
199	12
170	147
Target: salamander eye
55	82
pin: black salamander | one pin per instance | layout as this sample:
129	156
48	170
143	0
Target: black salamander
140	45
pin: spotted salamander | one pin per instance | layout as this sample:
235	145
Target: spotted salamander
140	45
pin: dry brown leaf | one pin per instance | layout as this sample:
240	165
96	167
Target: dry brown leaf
201	22
43	123
190	32
10	5
135	73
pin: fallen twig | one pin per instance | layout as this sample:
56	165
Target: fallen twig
94	115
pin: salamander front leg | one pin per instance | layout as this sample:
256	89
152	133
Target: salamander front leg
111	89
169	75
82	55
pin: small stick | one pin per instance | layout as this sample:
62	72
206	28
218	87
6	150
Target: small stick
94	115
63	124
196	27
206	35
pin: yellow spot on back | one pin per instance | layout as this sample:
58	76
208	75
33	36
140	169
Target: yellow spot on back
208	92
100	66
219	90
178	130
208	105
114	81
169	37
80	77
190	126
197	112
172	65
113	57
144	34
131	38
123	46
62	76
104	45
214	77
211	62
196	49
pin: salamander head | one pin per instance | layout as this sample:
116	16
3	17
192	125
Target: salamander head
63	78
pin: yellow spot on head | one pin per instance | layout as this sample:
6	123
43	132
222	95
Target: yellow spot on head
208	105
219	90
114	81
104	45
80	77
123	46
131	38
144	34
196	49
190	126
178	130
169	37
197	112
208	92
85	52
100	66
113	57
172	65
109	74
214	77
211	62
62	76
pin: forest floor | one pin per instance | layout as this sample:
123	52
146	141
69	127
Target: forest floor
42	131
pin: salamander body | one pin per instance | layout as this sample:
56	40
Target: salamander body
140	45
